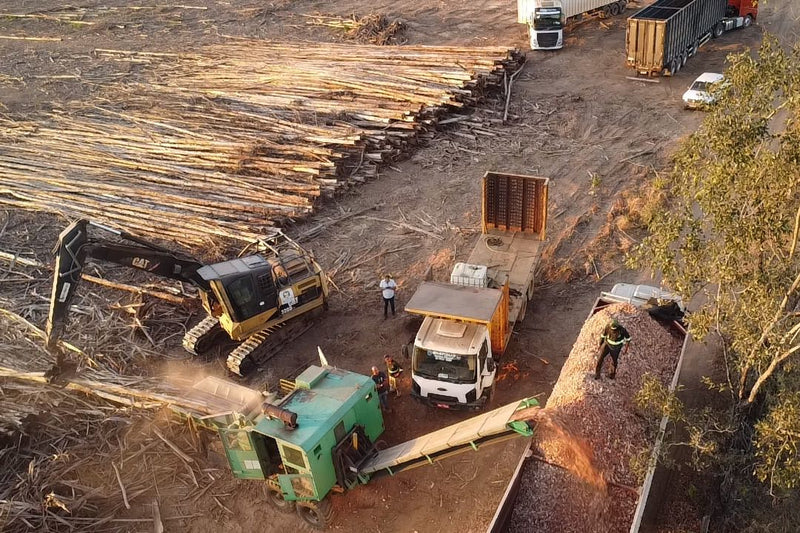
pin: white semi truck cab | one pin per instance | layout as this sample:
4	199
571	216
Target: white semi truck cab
545	20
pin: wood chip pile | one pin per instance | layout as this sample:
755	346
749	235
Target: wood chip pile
221	144
601	413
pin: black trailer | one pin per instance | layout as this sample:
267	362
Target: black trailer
661	37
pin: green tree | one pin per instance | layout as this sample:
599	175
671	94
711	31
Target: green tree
728	238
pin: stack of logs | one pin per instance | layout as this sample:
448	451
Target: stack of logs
222	144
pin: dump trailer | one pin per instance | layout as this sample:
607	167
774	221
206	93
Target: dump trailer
668	310
661	37
320	436
546	19
467	323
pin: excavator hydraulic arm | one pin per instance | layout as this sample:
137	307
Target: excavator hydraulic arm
74	247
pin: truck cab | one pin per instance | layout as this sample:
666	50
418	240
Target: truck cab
545	19
452	363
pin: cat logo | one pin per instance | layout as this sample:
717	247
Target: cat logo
140	262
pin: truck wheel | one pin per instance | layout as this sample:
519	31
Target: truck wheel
673	67
490	394
606	11
614	9
719	29
694	48
748	20
684	57
316	514
276	499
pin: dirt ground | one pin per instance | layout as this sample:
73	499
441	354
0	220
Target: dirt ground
575	118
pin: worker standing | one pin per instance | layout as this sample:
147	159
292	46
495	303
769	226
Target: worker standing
615	341
382	385
388	288
394	370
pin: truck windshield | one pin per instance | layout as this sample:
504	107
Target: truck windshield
443	366
547	20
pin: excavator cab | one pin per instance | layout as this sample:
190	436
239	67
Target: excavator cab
253	289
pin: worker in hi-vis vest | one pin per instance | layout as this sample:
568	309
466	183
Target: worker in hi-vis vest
615	340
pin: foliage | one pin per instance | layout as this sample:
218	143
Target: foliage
778	434
729	241
657	401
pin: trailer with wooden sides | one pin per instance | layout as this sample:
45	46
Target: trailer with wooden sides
661	37
467	323
595	411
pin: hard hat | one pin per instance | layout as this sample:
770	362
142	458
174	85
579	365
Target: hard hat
374	368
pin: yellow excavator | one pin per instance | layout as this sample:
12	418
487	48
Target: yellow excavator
251	298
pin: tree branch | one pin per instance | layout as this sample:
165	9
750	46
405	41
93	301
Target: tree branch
769	371
757	346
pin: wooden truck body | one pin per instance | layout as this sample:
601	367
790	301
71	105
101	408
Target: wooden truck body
468	322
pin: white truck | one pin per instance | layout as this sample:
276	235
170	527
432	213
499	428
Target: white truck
546	18
468	322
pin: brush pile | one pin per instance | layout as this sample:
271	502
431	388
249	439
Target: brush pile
77	463
220	145
77	449
602	415
369	29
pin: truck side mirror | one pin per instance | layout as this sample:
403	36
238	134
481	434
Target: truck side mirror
490	366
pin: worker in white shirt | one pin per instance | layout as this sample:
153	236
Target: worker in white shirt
388	288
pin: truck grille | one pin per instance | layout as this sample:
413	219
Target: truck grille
546	40
442	398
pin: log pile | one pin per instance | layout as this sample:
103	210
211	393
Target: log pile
219	145
602	415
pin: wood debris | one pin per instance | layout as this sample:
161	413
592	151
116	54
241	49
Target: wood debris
369	29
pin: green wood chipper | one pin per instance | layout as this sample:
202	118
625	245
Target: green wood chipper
321	436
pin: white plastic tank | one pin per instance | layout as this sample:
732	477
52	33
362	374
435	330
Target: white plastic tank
469	275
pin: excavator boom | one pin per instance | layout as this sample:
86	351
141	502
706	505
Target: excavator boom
75	247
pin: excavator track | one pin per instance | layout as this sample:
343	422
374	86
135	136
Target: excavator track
203	336
262	346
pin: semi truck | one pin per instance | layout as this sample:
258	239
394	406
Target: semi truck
661	37
467	323
546	18
321	436
669	311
